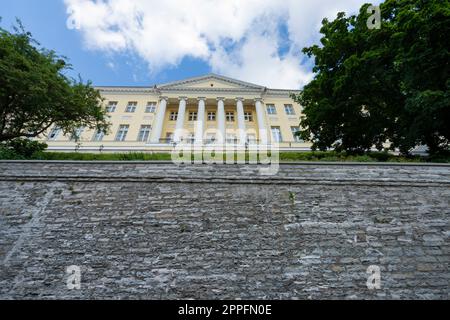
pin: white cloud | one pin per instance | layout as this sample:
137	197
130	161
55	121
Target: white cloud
111	65
237	38
258	61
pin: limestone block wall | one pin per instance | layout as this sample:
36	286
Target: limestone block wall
160	231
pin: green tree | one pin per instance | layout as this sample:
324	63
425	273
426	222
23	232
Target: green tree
381	85
35	93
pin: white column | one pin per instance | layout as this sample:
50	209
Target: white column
241	121
179	129
200	121
159	121
221	126
262	126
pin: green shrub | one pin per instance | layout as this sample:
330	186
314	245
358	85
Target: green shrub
21	149
443	156
33	150
363	158
380	156
8	154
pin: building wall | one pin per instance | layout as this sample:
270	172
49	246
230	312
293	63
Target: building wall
135	120
159	231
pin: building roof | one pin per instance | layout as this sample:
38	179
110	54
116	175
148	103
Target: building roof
206	83
208	78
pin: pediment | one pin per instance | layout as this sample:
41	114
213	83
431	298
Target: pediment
211	81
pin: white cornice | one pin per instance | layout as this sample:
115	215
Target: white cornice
197	91
145	90
181	88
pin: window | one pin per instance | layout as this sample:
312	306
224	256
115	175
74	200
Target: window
230	116
98	136
248	116
54	134
111	107
122	133
294	131
144	133
211	116
76	135
289	109
271	109
131	107
276	134
169	137
192	116
173	116
151	107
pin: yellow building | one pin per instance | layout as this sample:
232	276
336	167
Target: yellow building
201	110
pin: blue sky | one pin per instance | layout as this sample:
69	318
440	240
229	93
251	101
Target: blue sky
46	19
146	42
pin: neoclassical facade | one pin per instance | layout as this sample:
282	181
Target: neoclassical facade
199	111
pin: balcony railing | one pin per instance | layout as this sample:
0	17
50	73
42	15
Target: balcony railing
166	141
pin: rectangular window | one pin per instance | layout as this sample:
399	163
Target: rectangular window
122	132
144	133
151	107
173	116
276	134
98	136
54	134
289	108
192	116
76	135
111	107
271	109
131	107
169	137
248	116
211	116
230	116
296	137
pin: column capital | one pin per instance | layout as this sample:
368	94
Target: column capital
183	98
258	100
201	99
220	99
240	99
164	98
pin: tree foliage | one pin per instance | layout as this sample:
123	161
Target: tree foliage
374	86
35	93
17	149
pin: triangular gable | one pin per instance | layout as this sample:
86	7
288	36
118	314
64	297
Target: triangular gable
211	81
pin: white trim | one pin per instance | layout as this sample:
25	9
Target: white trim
179	87
210	76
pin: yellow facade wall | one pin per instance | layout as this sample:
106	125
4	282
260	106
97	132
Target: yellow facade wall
135	120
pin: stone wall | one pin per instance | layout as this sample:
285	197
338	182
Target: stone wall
159	231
